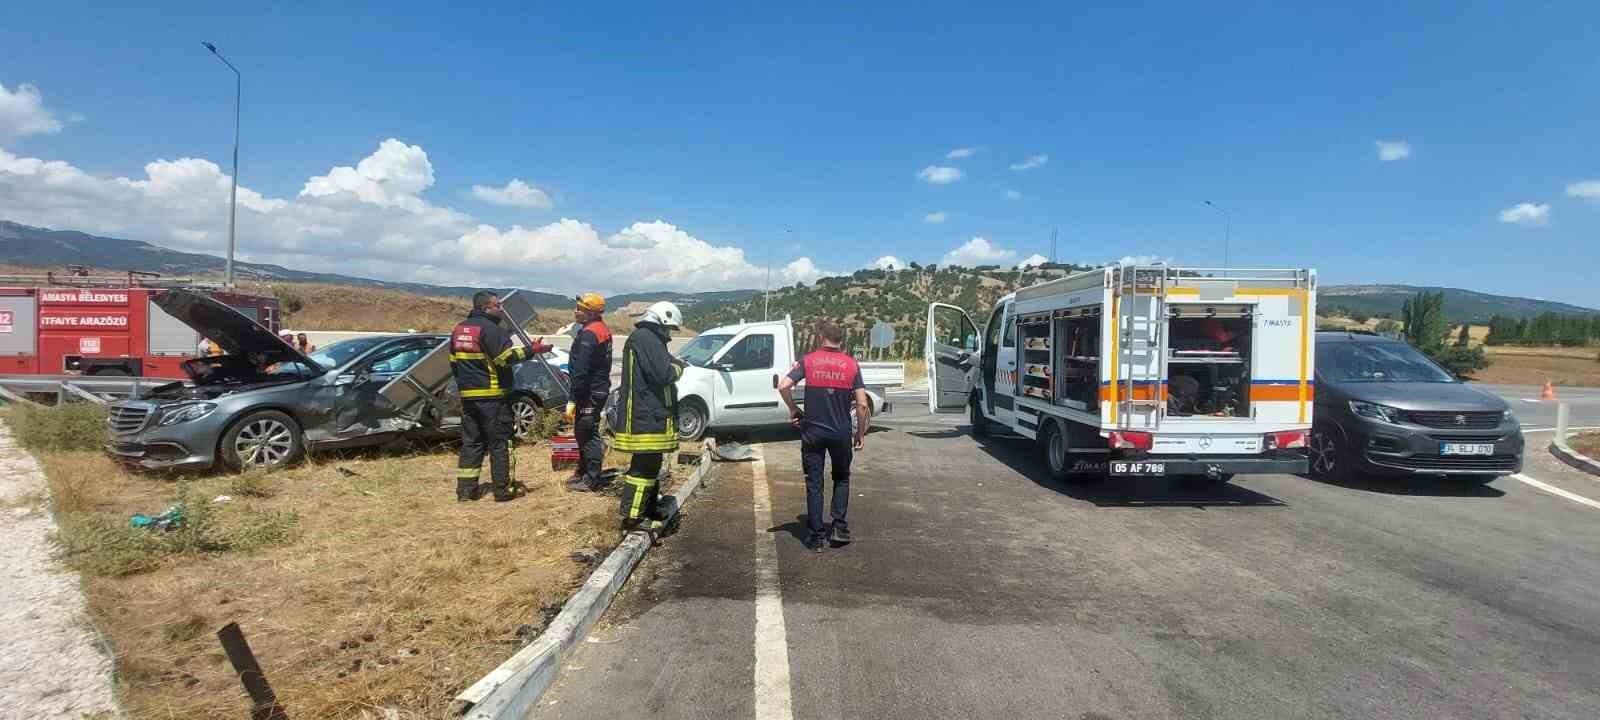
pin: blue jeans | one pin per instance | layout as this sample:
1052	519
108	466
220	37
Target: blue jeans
815	447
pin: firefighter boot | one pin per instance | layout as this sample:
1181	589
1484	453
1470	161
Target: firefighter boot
467	485
638	501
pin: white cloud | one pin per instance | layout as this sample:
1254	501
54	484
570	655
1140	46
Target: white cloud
1392	150
936	217
515	194
940	174
978	251
1013	195
1032	162
371	219
1526	214
1144	260
959	153
22	113
1033	260
1588	190
888	262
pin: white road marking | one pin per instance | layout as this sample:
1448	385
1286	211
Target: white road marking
1553	490
1551	429
772	641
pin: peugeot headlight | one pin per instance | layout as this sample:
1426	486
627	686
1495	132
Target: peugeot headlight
186	413
1375	411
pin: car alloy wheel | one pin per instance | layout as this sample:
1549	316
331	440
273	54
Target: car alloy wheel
1324	454
264	442
524	416
691	421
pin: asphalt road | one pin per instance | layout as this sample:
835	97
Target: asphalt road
978	588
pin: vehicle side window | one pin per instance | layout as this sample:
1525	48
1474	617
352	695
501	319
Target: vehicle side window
754	352
1011	331
398	361
991	332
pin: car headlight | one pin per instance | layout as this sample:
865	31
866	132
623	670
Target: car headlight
1511	417
1375	411
186	413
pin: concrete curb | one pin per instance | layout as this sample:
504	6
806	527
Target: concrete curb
1573	457
511	690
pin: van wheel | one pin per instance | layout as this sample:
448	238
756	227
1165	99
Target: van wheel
980	424
265	439
1053	441
691	420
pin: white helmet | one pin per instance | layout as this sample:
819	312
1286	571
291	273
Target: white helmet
664	314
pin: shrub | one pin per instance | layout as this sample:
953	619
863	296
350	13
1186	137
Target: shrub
73	426
254	484
109	546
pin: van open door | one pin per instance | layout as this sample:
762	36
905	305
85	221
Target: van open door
951	353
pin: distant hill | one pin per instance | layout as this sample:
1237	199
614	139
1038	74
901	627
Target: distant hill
1459	305
45	248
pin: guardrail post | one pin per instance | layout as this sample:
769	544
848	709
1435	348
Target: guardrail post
1561	422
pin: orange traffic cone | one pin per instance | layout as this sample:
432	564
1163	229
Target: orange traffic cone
1549	391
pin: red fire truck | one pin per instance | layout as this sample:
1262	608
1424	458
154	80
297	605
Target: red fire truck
81	324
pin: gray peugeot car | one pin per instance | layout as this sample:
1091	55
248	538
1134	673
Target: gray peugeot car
1382	407
265	404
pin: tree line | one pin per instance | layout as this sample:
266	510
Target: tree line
1545	329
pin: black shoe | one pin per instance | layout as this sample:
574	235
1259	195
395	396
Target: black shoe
841	532
579	483
507	494
467	490
815	543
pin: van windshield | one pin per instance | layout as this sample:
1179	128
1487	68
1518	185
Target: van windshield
1377	362
700	350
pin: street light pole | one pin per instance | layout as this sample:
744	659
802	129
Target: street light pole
1227	230
233	194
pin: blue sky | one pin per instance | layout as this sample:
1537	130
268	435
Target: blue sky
800	130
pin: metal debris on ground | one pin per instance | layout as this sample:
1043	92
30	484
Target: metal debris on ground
732	452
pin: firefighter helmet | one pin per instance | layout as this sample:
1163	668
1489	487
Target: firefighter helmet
664	314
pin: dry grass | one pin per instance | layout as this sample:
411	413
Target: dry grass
1534	366
916	372
1588	353
1586	443
387	592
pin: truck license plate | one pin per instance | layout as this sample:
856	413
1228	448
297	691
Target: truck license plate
1466	448
1138	469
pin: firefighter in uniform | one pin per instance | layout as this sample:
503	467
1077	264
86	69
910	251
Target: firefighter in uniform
590	371
647	411
481	355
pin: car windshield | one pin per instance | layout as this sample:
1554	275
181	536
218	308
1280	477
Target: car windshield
700	350
339	353
1377	362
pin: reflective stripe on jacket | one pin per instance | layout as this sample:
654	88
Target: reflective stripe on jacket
648	396
481	356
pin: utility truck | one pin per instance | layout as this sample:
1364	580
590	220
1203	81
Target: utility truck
1140	370
732	377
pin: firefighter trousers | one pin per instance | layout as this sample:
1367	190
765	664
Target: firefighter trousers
591	449
815	448
486	427
639	498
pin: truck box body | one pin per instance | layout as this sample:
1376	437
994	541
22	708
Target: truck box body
61	330
1197	368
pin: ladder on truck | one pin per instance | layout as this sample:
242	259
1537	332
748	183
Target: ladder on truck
1141	326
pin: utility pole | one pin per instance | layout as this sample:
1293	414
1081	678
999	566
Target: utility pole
1053	233
233	194
1227	230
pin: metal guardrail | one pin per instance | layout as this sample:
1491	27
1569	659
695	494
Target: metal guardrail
99	389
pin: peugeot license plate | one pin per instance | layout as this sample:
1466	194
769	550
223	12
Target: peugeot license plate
1466	448
1138	469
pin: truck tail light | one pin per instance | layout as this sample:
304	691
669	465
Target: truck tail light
1129	440
1286	440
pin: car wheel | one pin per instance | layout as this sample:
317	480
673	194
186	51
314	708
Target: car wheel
525	415
265	439
691	421
980	425
1326	451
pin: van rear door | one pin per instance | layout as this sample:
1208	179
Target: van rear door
951	354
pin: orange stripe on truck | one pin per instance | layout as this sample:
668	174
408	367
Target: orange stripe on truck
1281	393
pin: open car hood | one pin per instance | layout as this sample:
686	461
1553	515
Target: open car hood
233	332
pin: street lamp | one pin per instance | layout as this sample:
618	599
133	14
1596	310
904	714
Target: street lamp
233	195
1227	230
